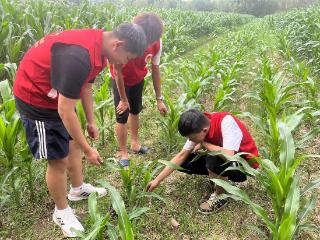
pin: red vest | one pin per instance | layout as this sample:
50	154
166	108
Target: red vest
135	70
214	135
32	84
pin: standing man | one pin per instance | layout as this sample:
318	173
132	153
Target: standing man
52	76
219	131
127	84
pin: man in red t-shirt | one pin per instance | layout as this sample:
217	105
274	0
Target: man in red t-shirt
213	132
52	76
128	81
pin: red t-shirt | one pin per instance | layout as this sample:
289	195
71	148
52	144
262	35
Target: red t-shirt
214	135
135	70
33	85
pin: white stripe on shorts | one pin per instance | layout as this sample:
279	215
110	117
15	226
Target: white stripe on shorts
39	138
42	139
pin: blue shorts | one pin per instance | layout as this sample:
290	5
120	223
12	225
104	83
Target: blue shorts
47	139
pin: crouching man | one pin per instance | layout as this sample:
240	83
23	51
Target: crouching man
219	131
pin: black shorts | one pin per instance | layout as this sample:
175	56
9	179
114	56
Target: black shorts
215	164
134	95
47	139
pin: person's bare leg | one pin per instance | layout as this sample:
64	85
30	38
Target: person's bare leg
75	164
121	133
219	190
134	129
57	182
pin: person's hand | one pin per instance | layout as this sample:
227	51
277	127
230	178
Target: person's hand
210	146
162	107
152	185
122	106
93	131
197	147
93	157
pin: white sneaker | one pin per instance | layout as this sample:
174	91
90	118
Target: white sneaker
67	221
85	191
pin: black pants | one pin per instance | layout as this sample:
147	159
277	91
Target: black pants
215	164
134	95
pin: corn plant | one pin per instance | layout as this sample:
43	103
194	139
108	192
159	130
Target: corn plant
27	158
227	86
169	124
285	45
102	226
10	127
299	31
5	192
81	116
275	98
282	187
98	223
302	74
104	109
135	180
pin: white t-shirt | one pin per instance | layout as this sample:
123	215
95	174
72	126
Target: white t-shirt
231	135
156	58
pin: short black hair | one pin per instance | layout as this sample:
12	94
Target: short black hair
192	121
134	37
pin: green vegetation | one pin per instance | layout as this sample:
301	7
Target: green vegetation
265	70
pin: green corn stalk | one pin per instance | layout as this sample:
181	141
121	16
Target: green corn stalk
81	116
98	223
104	109
285	45
9	137
275	98
135	180
102	226
5	193
124	227
302	74
27	158
169	124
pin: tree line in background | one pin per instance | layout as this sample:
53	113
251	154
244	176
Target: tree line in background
254	7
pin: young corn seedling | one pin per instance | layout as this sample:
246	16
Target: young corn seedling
10	127
285	45
104	110
227	87
302	74
169	124
103	227
5	192
81	116
135	180
275	97
27	158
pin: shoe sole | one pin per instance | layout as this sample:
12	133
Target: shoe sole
215	211
75	199
64	233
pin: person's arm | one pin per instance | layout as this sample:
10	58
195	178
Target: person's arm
178	160
156	78
70	67
87	103
71	122
212	147
157	89
123	104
